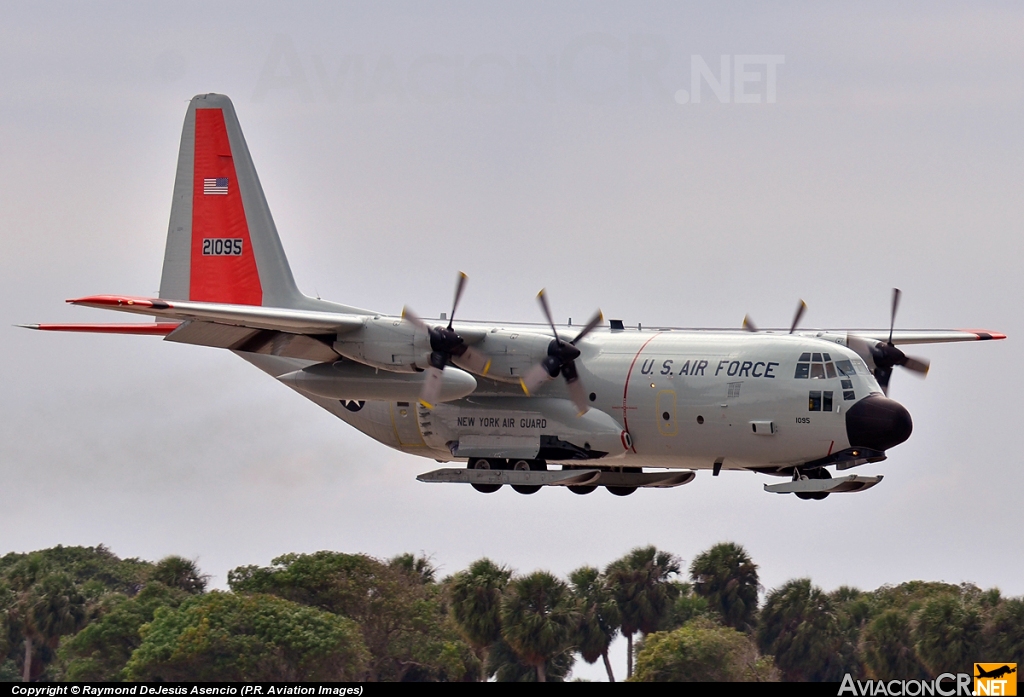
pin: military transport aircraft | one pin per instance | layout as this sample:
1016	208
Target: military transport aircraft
525	405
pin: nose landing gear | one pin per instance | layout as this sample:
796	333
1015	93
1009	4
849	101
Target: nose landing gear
815	473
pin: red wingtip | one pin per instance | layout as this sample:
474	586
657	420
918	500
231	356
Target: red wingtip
985	335
118	301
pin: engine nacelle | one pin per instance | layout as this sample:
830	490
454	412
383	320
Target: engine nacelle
512	353
387	343
352	382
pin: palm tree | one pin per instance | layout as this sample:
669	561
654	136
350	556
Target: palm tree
46	607
888	649
599	616
538	619
948	634
178	572
800	627
727	578
640	583
476	603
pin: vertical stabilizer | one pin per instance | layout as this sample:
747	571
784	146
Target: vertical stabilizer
222	245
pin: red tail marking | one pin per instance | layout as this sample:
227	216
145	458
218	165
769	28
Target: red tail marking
223	279
118	301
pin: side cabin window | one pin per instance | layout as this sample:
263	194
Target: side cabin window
818	400
816	366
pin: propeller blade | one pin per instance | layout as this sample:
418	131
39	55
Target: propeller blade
862	347
578	395
917	365
547	311
799	313
474	361
749	325
896	293
883	375
432	378
594	321
414	318
535	378
459	287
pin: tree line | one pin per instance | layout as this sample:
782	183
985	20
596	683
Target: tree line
84	614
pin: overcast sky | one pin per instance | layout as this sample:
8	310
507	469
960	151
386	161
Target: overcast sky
528	145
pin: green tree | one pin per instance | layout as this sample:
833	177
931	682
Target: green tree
800	627
727	578
475	603
686	607
641	584
948	634
701	651
888	648
223	636
101	650
183	574
1004	632
599	617
39	613
403	620
46	606
538	619
505	665
419	568
96	570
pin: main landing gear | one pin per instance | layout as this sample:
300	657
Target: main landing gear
493	463
620	482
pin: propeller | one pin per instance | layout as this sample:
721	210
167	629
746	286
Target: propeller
886	356
561	358
749	325
445	343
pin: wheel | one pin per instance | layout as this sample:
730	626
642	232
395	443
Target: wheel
582	489
625	490
528	465
817	473
484	464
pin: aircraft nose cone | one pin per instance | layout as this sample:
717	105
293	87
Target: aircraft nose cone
878	423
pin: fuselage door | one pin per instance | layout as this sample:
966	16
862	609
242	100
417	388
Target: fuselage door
665	411
407	428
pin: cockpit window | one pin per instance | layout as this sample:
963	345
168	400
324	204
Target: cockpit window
845	368
819	366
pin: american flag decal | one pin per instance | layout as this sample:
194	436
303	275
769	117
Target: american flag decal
216	186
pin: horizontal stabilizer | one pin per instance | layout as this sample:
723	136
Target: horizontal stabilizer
154	329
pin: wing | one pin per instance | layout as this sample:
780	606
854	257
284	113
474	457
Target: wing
251	316
917	336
